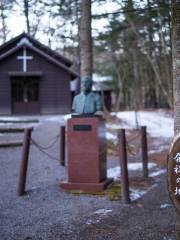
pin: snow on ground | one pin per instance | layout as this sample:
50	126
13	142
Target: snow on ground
159	172
157	122
98	215
103	211
16	121
115	171
137	193
111	137
159	149
165	205
134	192
56	118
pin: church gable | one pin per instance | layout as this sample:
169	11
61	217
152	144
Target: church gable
32	81
27	39
26	45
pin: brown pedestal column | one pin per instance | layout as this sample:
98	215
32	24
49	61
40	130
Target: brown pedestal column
86	149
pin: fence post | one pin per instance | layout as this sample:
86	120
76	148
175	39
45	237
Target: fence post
124	168
62	145
24	161
144	152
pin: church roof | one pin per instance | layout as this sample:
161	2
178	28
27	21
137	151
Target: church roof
25	40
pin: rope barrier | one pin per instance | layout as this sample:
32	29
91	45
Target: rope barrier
42	148
50	145
134	137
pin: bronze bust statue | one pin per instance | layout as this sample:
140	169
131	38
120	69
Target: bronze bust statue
87	102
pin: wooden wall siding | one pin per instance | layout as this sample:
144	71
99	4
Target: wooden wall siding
54	92
5	94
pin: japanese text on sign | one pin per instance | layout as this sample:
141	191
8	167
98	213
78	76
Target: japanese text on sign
177	174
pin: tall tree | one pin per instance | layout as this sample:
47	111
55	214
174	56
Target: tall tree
176	62
5	7
33	11
176	76
26	14
86	39
141	44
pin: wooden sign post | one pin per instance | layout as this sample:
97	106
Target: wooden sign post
174	173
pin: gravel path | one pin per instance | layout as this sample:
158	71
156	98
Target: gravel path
47	212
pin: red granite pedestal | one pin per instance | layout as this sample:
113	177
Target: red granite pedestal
86	149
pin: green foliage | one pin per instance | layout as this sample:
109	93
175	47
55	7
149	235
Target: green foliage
113	192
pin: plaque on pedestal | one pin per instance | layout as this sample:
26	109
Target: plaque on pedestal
86	149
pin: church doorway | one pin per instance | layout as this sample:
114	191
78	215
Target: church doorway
25	95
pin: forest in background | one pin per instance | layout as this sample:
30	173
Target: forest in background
133	48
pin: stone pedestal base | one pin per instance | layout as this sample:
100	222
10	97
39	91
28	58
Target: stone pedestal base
87	187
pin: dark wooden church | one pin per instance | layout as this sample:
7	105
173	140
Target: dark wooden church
33	78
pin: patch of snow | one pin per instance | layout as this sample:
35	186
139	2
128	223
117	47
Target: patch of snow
55	118
168	238
42	118
160	149
136	193
113	126
92	221
100	78
100	212
67	116
158	124
165	205
111	136
115	172
138	166
73	85
155	174
103	211
6	118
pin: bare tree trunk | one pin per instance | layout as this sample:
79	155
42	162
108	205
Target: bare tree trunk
151	79
136	79
4	32
86	39
130	15
176	77
78	86
166	70
26	14
153	64
176	62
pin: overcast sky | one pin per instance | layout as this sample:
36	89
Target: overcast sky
16	22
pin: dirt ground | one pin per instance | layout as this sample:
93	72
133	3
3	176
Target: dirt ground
47	212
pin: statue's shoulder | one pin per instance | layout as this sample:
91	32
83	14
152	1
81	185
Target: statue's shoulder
78	96
95	95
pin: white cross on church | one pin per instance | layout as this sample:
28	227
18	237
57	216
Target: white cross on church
24	58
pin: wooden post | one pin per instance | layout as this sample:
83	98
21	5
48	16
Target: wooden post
24	161
144	152
124	168
62	145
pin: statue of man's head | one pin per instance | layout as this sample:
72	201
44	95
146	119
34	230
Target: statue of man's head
87	84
